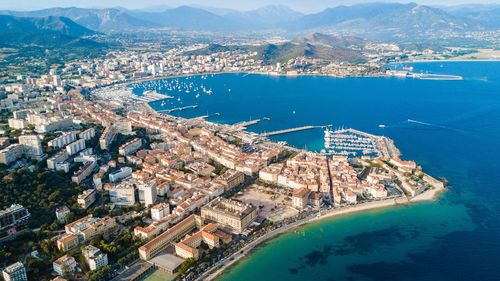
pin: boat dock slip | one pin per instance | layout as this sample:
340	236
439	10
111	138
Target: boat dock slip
286	131
177	109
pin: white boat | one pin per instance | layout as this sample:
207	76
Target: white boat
381	126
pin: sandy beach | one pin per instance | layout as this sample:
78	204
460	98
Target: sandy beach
213	273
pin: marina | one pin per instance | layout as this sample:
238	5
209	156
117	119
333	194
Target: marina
354	143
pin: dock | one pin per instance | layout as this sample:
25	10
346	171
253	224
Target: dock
244	124
205	116
291	130
177	109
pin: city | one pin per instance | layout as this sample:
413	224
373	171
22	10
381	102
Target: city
105	176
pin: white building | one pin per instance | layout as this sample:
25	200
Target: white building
147	193
75	147
15	272
160	211
130	147
65	264
60	157
63	140
62	214
18	124
87	198
123	173
123	194
95	257
32	145
87	134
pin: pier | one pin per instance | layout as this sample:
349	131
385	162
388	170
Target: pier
291	130
244	124
177	109
205	116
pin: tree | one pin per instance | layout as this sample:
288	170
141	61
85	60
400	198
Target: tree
186	265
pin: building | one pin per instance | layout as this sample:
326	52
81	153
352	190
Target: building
147	193
11	153
123	194
233	214
13	216
87	198
85	229
231	179
63	140
68	242
130	147
60	157
123	173
18	124
15	272
188	247
107	137
32	146
87	134
300	198
160	211
94	257
64	265
161	242
84	172
62	214
75	147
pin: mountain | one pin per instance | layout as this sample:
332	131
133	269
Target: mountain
487	16
380	21
316	45
105	20
185	17
46	31
383	20
272	16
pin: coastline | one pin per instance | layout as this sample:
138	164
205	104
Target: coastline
451	60
229	262
216	272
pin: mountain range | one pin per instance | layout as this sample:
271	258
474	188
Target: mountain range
48	31
371	20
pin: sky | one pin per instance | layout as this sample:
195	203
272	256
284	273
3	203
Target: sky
306	6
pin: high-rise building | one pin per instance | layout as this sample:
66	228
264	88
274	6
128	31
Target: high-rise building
15	272
32	146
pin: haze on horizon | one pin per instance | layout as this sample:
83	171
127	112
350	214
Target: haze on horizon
299	5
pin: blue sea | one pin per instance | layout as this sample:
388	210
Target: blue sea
457	137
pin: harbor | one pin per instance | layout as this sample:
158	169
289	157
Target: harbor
354	143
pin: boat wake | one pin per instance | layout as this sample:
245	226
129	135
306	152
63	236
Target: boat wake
434	125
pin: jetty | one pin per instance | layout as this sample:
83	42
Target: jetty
177	109
286	131
244	124
205	116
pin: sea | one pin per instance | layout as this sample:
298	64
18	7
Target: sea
451	128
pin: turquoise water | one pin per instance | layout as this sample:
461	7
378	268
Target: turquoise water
456	238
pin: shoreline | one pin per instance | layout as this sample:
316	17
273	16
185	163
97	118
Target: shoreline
233	260
449	60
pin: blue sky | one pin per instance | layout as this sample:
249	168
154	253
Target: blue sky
301	5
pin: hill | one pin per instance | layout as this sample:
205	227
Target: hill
316	45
